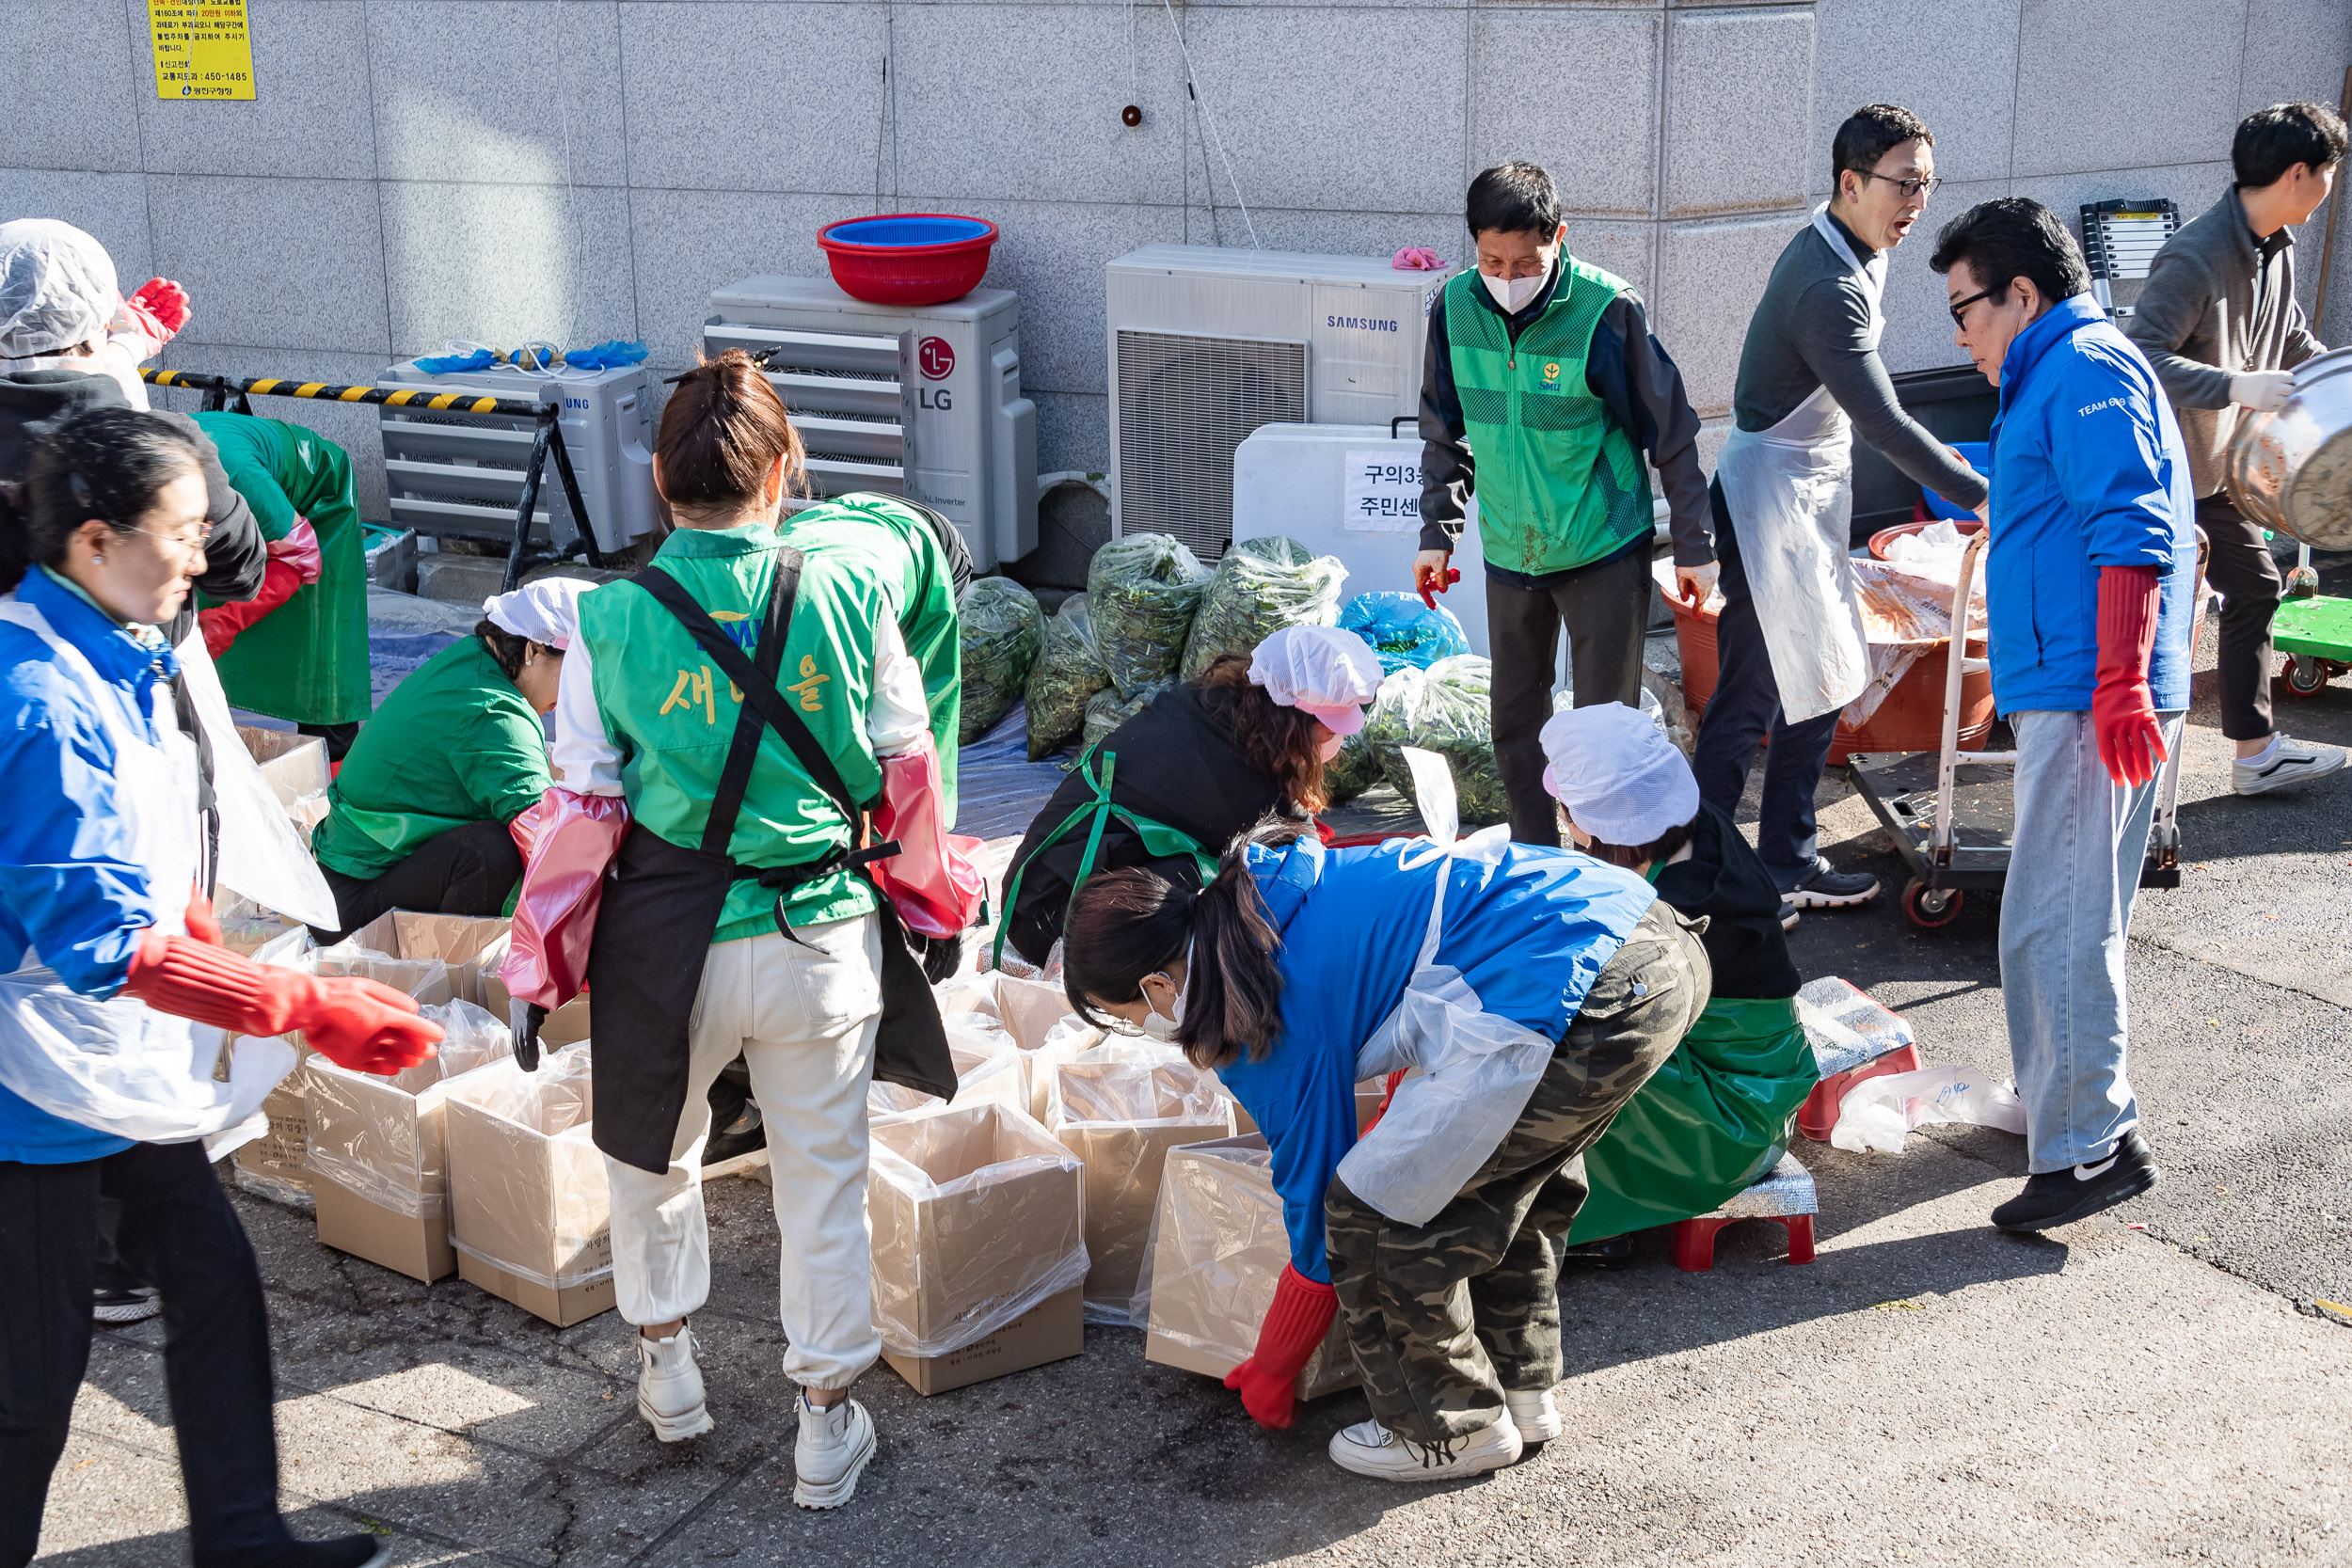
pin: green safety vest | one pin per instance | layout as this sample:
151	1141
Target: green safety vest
307	660
673	713
1559	483
1162	841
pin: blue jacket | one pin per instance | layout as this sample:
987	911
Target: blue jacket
70	891
2089	470
1528	934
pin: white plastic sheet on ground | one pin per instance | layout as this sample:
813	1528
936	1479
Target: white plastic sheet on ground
1879	1113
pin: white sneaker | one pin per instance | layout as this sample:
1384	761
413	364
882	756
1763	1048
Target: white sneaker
2288	761
1535	1415
1369	1448
670	1388
836	1443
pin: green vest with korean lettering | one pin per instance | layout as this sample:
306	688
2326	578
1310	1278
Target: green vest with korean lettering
672	712
1559	483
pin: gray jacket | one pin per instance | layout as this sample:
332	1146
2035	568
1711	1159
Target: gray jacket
2219	303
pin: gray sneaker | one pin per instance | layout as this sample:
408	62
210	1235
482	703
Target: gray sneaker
2290	762
1824	888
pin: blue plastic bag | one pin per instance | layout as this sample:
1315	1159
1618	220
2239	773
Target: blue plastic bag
1402	630
610	355
450	364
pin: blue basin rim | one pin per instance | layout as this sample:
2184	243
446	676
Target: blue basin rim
897	233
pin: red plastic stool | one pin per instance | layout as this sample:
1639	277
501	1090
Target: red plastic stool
1818	1115
1695	1240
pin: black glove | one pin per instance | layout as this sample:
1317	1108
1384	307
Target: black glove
524	1018
942	955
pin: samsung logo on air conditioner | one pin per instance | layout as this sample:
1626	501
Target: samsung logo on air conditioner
1361	324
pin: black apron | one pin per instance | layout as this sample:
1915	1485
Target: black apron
662	906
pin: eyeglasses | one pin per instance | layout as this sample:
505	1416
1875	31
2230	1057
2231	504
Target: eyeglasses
1912	189
1959	307
188	541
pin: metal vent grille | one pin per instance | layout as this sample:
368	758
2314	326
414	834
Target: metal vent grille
1185	403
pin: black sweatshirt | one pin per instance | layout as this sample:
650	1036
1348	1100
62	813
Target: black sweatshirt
1626	367
1724	881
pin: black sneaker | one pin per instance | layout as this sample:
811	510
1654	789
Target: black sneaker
340	1551
747	1133
129	1304
2062	1197
1787	916
1826	889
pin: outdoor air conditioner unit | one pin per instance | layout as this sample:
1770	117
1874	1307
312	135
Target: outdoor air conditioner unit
1207	343
921	402
461	475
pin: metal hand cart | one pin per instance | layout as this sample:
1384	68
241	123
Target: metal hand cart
1952	813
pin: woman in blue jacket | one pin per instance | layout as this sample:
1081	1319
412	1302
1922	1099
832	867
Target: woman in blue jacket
106	1093
1531	988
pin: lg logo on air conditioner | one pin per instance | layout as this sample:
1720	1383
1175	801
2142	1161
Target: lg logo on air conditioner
937	361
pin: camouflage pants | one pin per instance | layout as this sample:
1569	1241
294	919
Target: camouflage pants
1444	1316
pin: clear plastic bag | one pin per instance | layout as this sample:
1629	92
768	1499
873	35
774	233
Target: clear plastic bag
1404	632
1109	710
1444	710
1880	1114
526	1181
977	1218
1120	1118
1259	586
382	1139
990	1069
1002	628
1847	1025
1067	673
1142	594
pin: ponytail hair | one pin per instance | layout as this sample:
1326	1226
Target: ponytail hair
1130	923
109	464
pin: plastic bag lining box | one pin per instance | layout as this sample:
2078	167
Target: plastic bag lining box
276	1164
293	764
980	1233
530	1215
566	1026
1218	1246
1120	1118
378	1159
456	940
987	1069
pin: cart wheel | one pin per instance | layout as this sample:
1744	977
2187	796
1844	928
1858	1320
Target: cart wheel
2304	676
1930	908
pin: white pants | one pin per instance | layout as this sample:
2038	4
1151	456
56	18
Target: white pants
803	1021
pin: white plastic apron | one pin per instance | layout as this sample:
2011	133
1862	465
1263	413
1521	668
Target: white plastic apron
1790	490
1474	1070
116	1066
260	854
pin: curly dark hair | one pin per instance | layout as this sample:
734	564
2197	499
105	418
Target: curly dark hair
1280	742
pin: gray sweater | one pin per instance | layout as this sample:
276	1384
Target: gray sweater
2219	303
1812	329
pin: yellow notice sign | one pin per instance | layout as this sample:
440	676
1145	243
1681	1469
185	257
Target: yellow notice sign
202	48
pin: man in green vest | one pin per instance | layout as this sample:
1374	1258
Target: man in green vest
1542	390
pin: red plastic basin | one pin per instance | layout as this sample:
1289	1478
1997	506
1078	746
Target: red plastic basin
908	258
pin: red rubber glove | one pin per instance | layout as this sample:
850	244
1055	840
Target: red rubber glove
352	1022
555	915
300	549
160	307
1294	1326
1433	583
2123	712
1386	1099
932	880
202	923
222	625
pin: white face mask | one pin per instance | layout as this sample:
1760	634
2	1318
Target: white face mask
1513	293
1162	1027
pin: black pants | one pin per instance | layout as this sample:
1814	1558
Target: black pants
1606	608
2241	566
467	870
1745	707
177	1232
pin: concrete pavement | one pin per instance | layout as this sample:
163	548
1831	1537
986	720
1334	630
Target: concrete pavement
1928	1390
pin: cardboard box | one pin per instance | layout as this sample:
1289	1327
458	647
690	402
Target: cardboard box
987	1069
414	1245
566	1026
530	1215
1218	1246
1052	1330
276	1164
293	764
457	941
977	1218
1120	1118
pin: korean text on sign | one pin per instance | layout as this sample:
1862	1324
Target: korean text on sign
1383	492
204	48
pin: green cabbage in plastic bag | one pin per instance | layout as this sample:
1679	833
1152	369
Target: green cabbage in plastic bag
1443	709
1068	671
1142	594
1261	586
1108	710
1001	625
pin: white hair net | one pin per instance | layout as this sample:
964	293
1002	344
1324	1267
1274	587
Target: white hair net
1621	779
546	613
58	288
1319	670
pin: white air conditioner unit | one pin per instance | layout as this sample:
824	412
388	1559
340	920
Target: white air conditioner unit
922	402
461	475
1207	343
